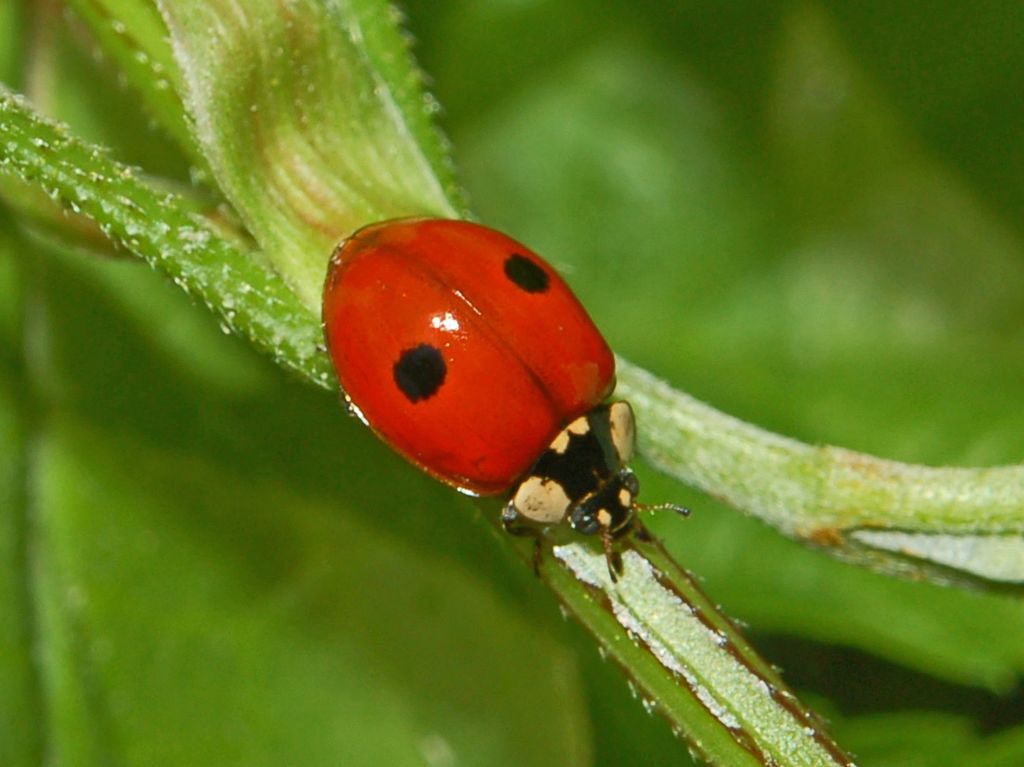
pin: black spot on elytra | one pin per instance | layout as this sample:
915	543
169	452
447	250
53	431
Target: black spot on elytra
420	371
526	274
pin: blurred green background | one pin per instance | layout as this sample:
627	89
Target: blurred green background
806	214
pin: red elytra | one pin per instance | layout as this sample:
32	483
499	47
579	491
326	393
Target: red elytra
463	349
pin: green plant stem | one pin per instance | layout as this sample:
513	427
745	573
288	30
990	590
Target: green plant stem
862	506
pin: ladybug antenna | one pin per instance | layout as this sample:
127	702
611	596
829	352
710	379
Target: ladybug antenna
680	510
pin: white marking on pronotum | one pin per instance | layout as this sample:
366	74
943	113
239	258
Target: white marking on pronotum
542	500
622	426
579	426
560	443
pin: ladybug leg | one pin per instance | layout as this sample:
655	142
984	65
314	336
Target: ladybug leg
512	523
642	533
538	552
610	554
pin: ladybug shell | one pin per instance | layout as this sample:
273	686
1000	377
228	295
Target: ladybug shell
460	347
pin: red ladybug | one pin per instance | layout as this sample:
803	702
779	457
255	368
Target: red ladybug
470	356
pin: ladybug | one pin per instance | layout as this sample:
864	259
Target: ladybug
468	354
